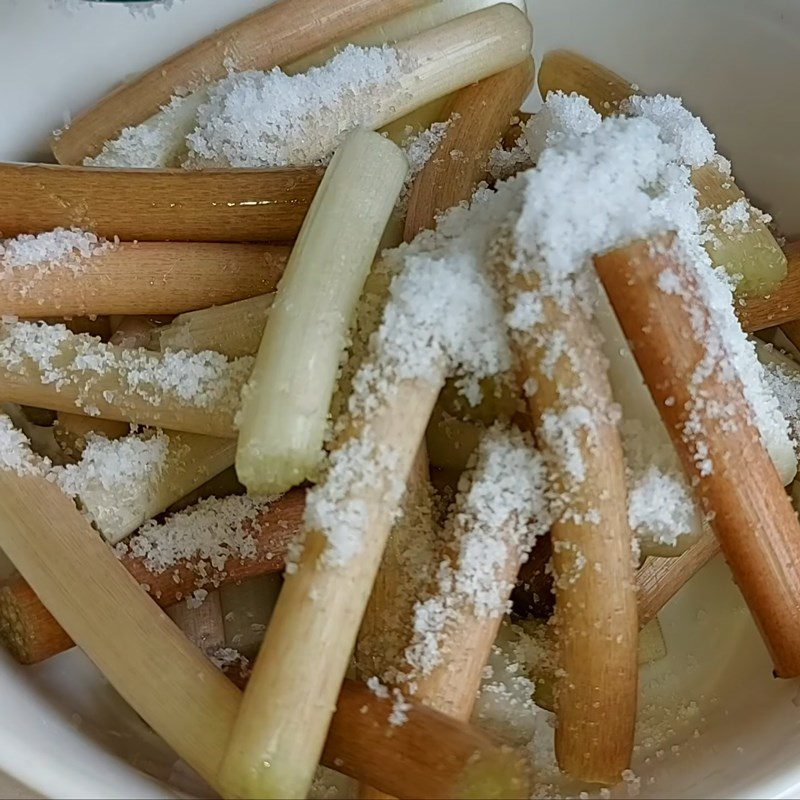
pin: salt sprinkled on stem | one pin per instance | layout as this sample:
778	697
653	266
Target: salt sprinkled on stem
269	119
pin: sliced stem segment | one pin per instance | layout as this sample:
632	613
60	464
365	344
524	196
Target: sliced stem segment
156	205
480	115
478	567
595	615
145	278
234	329
672	337
660	579
412	22
49	367
285	406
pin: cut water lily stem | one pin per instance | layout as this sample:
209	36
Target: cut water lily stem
749	253
595	616
282	32
565	71
479	114
737	483
114	382
659	579
234	329
145	278
281	439
155	205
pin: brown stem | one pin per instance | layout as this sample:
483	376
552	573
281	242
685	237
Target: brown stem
237	205
147	278
595	611
660	579
563	70
751	514
431	755
459	164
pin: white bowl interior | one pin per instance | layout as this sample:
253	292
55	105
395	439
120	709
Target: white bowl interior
714	722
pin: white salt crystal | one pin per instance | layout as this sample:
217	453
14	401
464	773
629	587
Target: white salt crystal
213	530
400	709
679	127
268	119
497	515
736	215
32	256
114	464
196	599
16	454
377	688
783	380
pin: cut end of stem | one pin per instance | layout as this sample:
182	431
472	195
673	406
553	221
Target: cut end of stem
13	634
275	473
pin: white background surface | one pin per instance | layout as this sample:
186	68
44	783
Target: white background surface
735	61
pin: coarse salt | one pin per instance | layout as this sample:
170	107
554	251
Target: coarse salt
211	531
29	257
268	119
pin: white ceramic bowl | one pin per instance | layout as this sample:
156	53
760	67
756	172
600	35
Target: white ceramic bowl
714	723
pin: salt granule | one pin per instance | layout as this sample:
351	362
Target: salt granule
500	512
694	143
212	530
268	119
16	454
64	250
54	355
